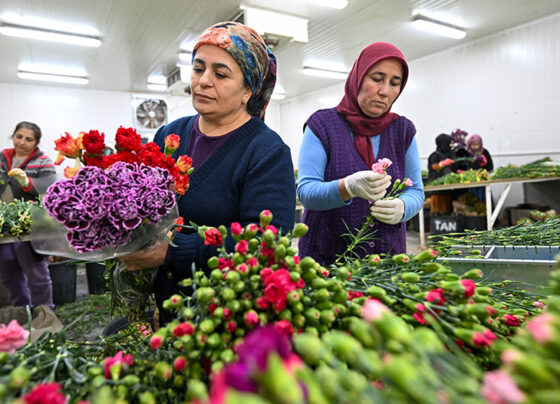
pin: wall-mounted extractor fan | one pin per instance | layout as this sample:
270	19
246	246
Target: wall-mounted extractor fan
150	114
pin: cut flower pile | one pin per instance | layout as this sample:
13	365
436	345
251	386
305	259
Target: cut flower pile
268	326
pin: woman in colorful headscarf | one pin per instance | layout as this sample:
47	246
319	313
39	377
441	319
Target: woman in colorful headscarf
241	166
481	155
336	184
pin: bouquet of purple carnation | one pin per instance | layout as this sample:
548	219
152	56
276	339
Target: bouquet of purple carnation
101	208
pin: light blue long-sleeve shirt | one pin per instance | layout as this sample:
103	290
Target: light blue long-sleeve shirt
316	194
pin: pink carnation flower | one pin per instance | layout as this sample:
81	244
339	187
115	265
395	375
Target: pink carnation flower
408	182
540	328
12	337
381	166
500	388
373	309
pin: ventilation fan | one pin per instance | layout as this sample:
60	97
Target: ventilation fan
150	114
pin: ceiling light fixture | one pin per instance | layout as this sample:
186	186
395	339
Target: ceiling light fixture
185	57
156	87
49	35
274	23
330	74
438	27
339	4
277	96
56	78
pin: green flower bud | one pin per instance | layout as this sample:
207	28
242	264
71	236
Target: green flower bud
311	349
299	321
217	275
4	357
412	277
233	305
376	292
147	398
196	390
340	296
188	313
227	294
218	312
318	283
18	378
214	340
207	326
253	245
313	315
321	295
280	251
306	263
473	274
430	267
373	260
227	356
130	380
204	294
401	259
300	229
362	331
232	277
213	262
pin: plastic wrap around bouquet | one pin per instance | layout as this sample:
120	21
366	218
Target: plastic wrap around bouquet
102	214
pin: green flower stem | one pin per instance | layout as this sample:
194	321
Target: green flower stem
357	239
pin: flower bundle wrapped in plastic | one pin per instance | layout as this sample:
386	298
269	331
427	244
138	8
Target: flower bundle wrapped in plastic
118	203
101	208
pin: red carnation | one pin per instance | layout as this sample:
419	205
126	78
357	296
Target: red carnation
436	296
285	327
511	320
46	393
469	286
127	139
93	142
212	236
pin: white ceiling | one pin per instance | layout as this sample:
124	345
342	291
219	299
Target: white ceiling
143	37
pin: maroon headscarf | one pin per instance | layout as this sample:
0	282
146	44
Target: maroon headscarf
364	126
474	139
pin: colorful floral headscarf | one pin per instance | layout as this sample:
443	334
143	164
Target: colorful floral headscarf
257	62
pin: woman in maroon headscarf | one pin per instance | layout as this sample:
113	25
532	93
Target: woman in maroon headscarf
336	184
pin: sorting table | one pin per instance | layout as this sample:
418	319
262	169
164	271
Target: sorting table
491	212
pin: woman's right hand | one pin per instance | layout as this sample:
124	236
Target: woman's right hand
367	185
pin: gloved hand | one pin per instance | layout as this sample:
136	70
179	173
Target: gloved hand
389	211
481	160
367	185
446	162
20	176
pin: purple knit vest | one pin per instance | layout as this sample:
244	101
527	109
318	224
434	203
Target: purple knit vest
324	240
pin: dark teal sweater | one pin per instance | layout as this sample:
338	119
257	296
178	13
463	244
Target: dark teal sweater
251	172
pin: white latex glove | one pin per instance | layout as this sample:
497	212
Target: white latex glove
367	185
390	211
20	176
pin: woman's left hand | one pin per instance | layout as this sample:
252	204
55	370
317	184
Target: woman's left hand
151	257
389	211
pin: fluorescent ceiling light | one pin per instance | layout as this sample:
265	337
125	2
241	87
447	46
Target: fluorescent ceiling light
331	74
438	27
339	4
156	87
157	79
56	78
185	57
49	35
277	96
274	23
